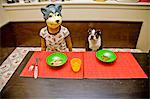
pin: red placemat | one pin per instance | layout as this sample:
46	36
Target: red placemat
144	1
124	67
45	71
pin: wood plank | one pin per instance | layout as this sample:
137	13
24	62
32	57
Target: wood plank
114	34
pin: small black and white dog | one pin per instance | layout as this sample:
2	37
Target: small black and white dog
94	40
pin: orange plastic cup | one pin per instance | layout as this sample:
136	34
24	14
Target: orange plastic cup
76	64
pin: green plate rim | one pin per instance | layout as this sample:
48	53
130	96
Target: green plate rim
56	53
106	61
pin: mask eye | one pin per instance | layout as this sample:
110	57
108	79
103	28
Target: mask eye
50	16
58	14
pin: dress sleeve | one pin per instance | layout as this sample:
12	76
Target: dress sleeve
66	32
43	33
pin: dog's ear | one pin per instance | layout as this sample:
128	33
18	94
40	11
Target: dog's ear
90	30
99	32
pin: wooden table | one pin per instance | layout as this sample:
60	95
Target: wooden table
28	88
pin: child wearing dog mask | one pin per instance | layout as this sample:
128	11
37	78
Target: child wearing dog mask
54	37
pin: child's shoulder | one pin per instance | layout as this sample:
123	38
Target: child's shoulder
43	29
64	29
43	32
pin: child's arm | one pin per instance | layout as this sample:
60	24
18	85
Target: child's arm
69	43
43	45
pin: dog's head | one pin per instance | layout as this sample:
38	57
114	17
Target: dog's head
94	34
52	15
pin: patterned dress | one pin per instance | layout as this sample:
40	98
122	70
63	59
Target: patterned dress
55	42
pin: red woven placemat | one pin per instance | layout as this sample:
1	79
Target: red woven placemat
124	67
45	71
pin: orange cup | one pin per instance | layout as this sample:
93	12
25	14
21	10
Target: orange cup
75	64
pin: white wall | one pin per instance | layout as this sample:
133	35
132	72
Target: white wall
3	16
90	12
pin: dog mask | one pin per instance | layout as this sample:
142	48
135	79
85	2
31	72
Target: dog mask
52	15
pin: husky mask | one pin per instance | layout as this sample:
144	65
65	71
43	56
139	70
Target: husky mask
52	15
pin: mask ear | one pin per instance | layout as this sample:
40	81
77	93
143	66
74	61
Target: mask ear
59	7
44	11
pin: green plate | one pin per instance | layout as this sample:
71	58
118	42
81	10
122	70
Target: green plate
106	55
56	56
